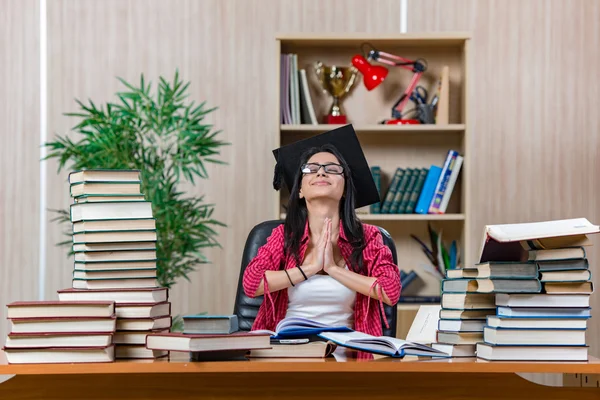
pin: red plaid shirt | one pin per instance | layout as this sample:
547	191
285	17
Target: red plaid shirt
377	260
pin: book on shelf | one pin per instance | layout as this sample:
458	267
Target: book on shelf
296	105
428	190
376	172
451	166
385	345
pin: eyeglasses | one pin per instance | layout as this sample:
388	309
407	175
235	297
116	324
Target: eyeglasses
313	168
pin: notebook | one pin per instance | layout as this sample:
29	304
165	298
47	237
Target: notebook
384	345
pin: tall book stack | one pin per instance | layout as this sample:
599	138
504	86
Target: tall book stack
527	298
60	332
114	241
550	325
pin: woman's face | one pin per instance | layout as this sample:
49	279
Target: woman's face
317	183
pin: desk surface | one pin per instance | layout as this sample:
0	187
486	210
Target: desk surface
179	363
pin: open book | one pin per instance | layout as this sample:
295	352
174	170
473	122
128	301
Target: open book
384	345
511	242
295	327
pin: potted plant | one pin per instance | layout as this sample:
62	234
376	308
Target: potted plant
164	136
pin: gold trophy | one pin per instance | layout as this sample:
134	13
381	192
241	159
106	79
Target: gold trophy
337	81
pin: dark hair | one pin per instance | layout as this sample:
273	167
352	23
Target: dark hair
297	213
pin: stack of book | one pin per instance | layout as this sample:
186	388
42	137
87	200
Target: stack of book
551	325
527	298
461	317
60	332
419	190
114	241
209	338
139	312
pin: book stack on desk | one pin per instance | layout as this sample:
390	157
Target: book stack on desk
549	325
114	232
114	242
139	312
60	332
462	316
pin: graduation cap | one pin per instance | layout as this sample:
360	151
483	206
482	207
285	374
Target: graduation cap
345	140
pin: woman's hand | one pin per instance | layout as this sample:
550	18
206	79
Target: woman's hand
328	261
319	259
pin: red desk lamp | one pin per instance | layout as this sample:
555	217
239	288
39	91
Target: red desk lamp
375	74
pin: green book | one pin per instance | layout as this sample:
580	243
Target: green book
376	172
414	196
409	188
389	197
402	185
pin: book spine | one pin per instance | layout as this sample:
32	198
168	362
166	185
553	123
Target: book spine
402	187
409	188
389	197
451	183
426	195
442	183
376	172
414	195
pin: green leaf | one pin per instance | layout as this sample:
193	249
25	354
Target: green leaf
163	135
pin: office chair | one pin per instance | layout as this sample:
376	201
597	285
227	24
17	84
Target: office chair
246	308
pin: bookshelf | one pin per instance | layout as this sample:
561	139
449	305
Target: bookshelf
392	146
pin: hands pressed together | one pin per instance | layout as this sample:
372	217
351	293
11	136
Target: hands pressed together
324	252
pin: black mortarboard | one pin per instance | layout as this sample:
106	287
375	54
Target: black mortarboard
345	140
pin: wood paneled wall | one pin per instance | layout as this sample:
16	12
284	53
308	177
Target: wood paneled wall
19	153
536	127
226	49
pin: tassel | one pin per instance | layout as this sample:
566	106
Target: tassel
277	177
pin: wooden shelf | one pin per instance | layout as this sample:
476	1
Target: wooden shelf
407	217
354	40
378	128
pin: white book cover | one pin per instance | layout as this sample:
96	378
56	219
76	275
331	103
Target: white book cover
424	326
505	242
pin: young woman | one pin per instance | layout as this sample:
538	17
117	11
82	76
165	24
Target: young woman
323	263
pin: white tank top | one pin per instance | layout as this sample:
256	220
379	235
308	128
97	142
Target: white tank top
321	298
